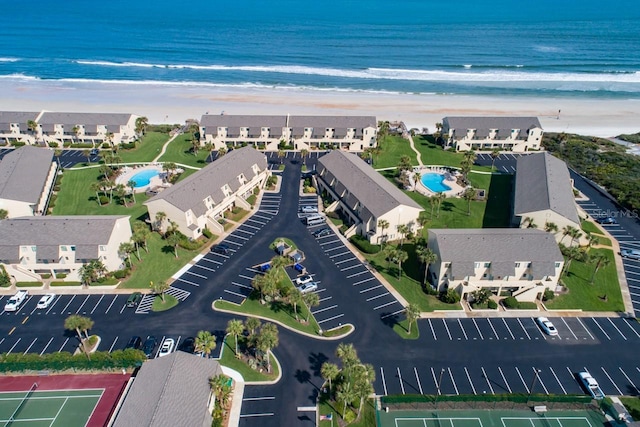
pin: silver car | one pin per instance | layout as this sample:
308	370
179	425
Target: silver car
630	253
308	287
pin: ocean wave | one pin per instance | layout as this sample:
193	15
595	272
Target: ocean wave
501	74
9	59
19	76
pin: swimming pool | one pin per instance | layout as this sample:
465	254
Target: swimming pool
434	182
143	178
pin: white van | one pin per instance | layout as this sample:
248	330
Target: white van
16	301
315	220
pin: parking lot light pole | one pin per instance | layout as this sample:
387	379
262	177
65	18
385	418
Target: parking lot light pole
438	386
536	373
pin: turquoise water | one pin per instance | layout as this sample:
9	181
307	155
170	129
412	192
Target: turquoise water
143	178
574	48
434	182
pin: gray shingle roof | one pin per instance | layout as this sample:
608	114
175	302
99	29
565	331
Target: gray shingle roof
483	125
21	117
235	122
73	119
49	232
543	182
502	247
339	123
191	192
170	391
372	190
23	173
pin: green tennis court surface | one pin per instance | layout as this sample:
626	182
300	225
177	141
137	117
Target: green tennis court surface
492	418
60	408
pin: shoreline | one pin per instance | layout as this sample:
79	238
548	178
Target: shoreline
168	103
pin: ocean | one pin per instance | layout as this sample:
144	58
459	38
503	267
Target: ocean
573	48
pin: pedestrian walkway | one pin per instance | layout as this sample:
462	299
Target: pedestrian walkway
418	154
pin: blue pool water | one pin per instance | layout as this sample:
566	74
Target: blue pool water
434	182
143	178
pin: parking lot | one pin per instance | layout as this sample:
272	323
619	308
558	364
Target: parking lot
511	378
505	162
626	241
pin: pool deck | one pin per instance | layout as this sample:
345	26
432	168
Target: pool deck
455	191
128	172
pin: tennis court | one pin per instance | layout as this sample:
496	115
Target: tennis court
53	408
492	418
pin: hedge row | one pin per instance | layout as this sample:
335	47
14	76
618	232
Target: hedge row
363	244
516	398
100	360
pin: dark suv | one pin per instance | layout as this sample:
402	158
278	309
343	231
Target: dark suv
221	249
149	345
134	299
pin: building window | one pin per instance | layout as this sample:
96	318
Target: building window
103	248
487	265
34	248
476	265
517	265
73	248
63	248
557	265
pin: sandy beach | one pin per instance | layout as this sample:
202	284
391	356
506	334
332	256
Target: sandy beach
166	103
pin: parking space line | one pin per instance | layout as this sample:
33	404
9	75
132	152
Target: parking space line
614	384
235	236
205	268
505	380
614	325
463	331
357	274
244	231
187	282
558	380
109	308
333	249
486	377
330	318
241	286
55	301
598	324
469	379
247	399
385	305
14	346
377	296
433	330
232	242
400	379
63	344
632	328
69	303
196	274
30	345
522	379
539	329
540	380
435	381
493	329
123	307
370	289
364	281
83	303
523	328
328	243
97	304
324	299
234	293
384	383
324	309
46	346
346	260
629	379
213	261
455	387
508	329
392	314
585	328
570	330
340	254
251	226
478	329
447	328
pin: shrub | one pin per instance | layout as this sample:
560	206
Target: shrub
121	274
66	283
208	234
333	214
492	304
449	297
5	280
61	275
548	295
106	145
46	276
364	245
28	284
66	144
128	146
190	245
510	302
62	361
53	144
18	143
82	145
104	200
56	188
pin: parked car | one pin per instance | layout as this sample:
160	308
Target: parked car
221	249
149	345
309	209
16	301
630	253
591	385
304	279
134	299
606	220
135	342
188	345
546	326
322	232
46	301
167	347
308	287
265	267
300	268
94	152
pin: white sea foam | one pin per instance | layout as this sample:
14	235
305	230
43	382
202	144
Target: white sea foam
9	59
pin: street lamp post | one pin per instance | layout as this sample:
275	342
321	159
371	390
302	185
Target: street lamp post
536	373
438	386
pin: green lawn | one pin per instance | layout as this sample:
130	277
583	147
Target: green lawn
169	302
633	406
402	328
433	154
146	149
409	285
229	360
589	297
367	419
589	227
392	148
179	151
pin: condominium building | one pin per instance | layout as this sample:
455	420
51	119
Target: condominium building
14	126
114	128
517	134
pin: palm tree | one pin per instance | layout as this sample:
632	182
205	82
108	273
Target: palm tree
346	395
295	298
311	300
235	328
422	220
281	154
403	229
304	153
159	220
121	192
210	148
131	184
601	260
495	153
404	165
126	249
389	254
222	151
363	385
575	234
141	234
159	288
400	256
95	187
572	253
591	240
4	214
383	224
469	195
416	178
279	261
252	324
566	230
427	257
267	340
439	197
87	154
80	324
221	389
348	356
329	372
470	156
412	311
550	227
174	240
205	343
32	125
108	138
141	125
